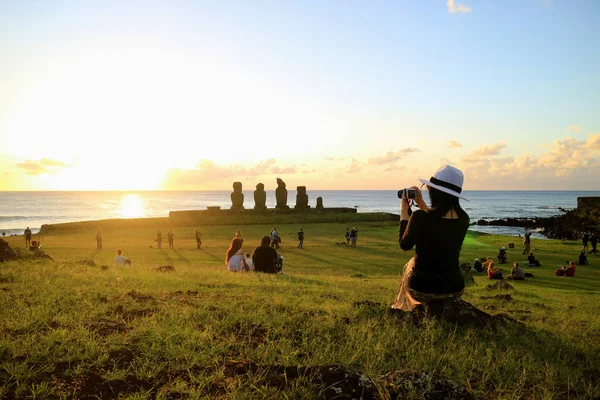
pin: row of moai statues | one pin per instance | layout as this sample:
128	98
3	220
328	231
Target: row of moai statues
260	197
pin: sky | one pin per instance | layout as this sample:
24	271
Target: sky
352	94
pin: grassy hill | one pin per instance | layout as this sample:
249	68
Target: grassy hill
72	330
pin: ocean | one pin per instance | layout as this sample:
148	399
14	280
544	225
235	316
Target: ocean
21	209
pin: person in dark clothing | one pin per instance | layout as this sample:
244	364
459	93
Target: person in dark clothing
27	237
582	259
502	255
437	233
300	238
347	236
477	265
594	242
170	238
353	237
585	239
265	258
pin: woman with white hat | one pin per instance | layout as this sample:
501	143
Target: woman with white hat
437	233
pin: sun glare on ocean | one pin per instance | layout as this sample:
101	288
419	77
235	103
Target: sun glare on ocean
131	207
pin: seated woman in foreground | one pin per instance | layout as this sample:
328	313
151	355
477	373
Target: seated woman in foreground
516	273
492	271
234	255
120	259
437	233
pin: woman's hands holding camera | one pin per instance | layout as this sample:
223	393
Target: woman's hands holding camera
405	206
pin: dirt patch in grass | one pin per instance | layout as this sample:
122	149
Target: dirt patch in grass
7	278
88	263
165	268
105	327
503	297
139	296
500	285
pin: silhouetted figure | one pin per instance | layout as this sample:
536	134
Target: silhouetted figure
159	239
260	197
237	197
353	237
477	266
198	237
170	238
27	237
301	198
582	259
300	234
527	242
585	239
347	235
99	239
265	258
594	242
319	203
281	195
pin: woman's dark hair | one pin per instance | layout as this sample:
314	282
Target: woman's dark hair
235	245
442	202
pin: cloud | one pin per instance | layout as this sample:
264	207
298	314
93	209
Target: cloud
334	158
43	166
391	157
479	154
574	128
457	8
354	167
207	173
454	144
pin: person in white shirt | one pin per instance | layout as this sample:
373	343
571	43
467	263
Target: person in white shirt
120	259
249	263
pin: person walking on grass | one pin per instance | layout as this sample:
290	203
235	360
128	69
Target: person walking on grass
99	238
353	237
347	235
27	237
594	242
170	238
159	239
527	242
275	238
198	237
585	239
300	238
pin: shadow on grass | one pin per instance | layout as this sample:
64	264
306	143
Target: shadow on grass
166	256
308	256
181	257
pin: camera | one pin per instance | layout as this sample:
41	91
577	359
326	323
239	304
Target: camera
409	193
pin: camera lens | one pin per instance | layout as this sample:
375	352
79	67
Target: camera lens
400	193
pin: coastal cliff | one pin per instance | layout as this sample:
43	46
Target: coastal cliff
569	226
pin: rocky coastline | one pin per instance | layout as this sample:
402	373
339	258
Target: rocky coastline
569	226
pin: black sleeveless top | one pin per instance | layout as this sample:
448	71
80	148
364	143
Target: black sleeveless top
438	242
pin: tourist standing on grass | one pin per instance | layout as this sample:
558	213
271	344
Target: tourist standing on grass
198	237
27	237
437	233
585	239
264	257
234	256
99	238
594	242
347	235
120	259
353	237
275	238
170	238
527	242
300	234
159	239
516	273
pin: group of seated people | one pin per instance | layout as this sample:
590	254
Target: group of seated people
566	271
494	272
264	258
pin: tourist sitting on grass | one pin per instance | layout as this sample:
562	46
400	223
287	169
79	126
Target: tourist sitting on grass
492	271
249	263
531	261
437	233
477	266
566	271
234	255
502	255
120	259
516	273
582	259
265	258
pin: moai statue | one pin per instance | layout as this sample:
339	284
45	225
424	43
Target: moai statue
319	203
237	197
301	198
260	197
281	194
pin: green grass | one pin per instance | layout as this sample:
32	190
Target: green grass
68	330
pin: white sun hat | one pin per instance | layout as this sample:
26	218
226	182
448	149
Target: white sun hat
447	179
